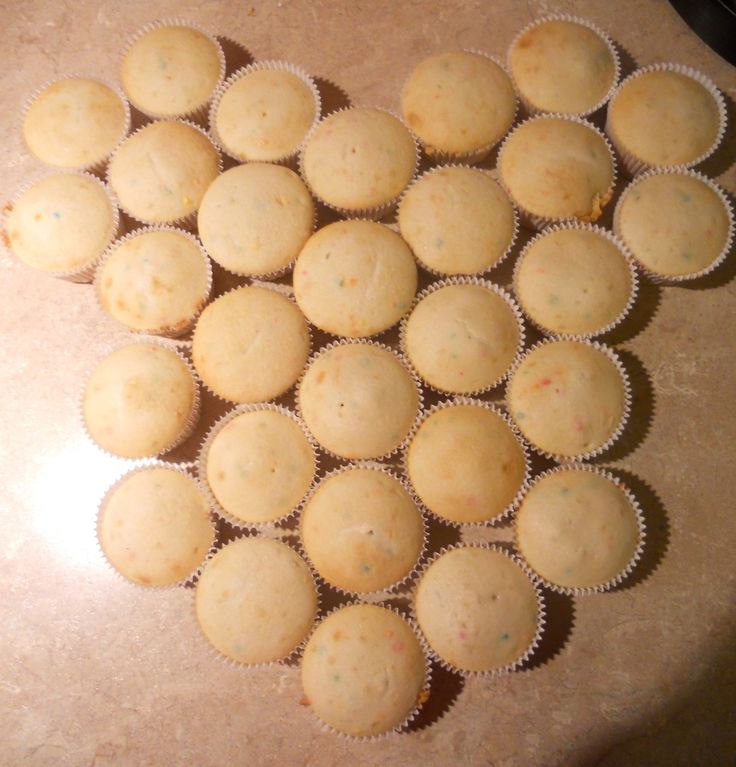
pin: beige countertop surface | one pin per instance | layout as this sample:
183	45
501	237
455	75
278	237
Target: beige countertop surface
96	672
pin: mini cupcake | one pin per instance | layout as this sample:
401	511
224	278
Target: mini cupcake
162	171
359	400
459	104
250	345
575	279
362	529
256	601
479	610
62	225
355	278
364	671
463	335
263	112
172	69
258	464
563	64
255	218
665	115
154	525
466	463
155	280
457	220
358	161
570	399
579	529
75	123
556	168
141	401
677	224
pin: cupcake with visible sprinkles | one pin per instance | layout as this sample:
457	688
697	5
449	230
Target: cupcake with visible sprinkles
579	529
364	671
256	601
570	399
466	462
479	610
355	278
677	224
457	220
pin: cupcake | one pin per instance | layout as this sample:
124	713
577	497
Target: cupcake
263	112
457	220
256	601
563	64
258	464
556	168
154	526
140	401
162	171
677	224
466	463
665	115
75	123
362	530
579	529
171	69
358	400
250	345
363	671
570	399
62	225
478	609
459	104
254	219
355	278
463	335
155	280
359	160
576	280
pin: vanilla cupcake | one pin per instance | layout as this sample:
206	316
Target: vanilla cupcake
75	123
62	225
355	278
459	104
457	220
250	345
255	218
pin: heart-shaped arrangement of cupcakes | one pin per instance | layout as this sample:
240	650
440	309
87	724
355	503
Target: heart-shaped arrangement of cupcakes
340	453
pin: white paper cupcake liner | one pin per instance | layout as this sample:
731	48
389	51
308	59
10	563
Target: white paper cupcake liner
620	577
390	589
634	165
514	234
257	66
181	468
536	221
405	364
215	429
192	419
98	166
617	432
541	614
674	279
377	211
461	280
199	113
183	222
84	273
528	106
423	695
168	330
511	507
625	254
